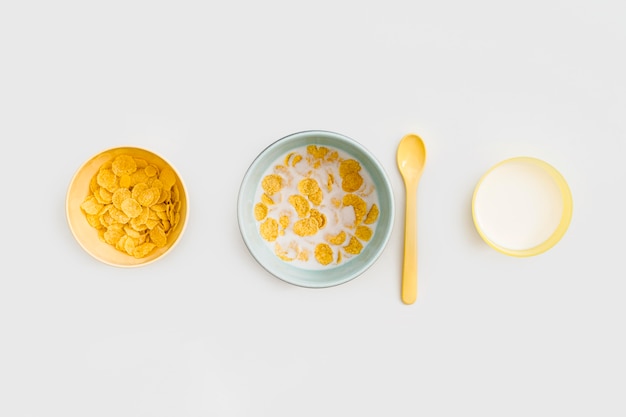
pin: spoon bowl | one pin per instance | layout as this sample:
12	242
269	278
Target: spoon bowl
411	158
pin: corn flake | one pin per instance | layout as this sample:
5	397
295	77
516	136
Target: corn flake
363	233
141	163
308	186
303	255
105	196
123	165
300	204
319	216
269	229
113	234
138	177
323	254
282	253
354	247
316	197
167	177
138	189
94	221
158	237
296	159
266	199
358	204
164	196
131	208
127	244
337	239
317	152
306	227
372	215
119	196
143	250
260	211
118	215
107	179
148	197
93	184
132	232
351	182
91	205
272	183
348	166
159	207
150	170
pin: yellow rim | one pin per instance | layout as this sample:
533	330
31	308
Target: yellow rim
566	216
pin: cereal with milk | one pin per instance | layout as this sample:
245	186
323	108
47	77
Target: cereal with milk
316	206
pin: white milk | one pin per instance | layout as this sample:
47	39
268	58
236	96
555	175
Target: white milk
518	205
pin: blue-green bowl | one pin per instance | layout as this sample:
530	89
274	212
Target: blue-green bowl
289	272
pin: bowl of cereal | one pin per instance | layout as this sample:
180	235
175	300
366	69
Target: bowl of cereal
315	209
126	206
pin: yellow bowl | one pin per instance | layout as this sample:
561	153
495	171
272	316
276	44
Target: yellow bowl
522	206
88	236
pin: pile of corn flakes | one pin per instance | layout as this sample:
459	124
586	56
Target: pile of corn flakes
133	204
316	203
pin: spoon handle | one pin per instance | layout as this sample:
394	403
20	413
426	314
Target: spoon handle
409	266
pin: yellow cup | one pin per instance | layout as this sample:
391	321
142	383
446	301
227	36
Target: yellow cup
522	206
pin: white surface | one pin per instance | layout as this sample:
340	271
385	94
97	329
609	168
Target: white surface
518	205
208	85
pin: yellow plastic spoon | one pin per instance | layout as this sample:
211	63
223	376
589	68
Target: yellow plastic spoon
411	158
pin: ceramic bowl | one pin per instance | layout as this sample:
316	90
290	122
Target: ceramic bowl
91	239
312	274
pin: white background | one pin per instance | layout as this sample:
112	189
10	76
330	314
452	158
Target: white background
206	331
